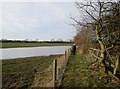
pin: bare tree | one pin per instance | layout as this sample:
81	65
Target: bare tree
104	17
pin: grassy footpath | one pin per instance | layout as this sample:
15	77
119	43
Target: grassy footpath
19	44
22	72
80	74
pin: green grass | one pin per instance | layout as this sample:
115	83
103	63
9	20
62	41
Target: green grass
21	72
80	74
19	44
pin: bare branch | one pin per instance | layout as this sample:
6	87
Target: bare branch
83	8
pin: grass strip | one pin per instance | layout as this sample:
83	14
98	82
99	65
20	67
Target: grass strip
79	74
20	44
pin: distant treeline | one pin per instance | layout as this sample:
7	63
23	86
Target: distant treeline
27	41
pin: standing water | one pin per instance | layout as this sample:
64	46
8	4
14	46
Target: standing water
10	53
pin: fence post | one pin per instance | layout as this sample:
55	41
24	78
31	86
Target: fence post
65	53
69	51
54	73
66	56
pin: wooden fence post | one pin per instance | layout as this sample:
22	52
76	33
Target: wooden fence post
65	55
54	73
69	51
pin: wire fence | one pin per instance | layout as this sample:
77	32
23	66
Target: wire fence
58	72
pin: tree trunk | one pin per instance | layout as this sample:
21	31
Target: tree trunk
102	50
102	46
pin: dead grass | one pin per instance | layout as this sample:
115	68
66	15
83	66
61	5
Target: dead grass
27	72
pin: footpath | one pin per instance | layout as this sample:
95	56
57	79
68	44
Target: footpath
80	73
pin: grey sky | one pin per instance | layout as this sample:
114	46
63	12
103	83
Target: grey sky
38	20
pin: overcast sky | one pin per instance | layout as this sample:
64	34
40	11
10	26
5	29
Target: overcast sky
38	20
